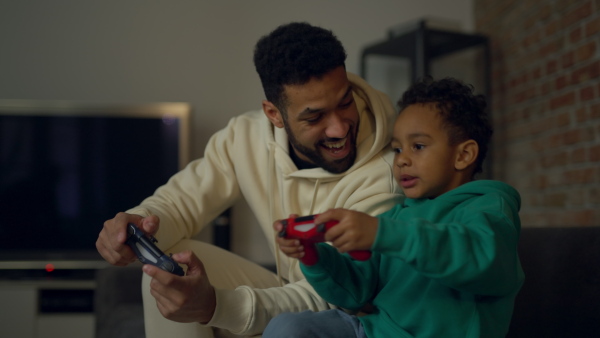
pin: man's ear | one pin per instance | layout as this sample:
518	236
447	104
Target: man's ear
466	154
273	113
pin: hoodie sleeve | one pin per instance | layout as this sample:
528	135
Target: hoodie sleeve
342	281
247	311
196	195
474	250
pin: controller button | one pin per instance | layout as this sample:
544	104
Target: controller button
168	266
321	227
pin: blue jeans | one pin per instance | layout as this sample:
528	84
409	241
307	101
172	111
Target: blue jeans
306	324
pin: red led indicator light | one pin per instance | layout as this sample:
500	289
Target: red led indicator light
49	267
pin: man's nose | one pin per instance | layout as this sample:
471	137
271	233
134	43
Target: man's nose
337	127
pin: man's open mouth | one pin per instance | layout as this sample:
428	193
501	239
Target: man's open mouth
335	147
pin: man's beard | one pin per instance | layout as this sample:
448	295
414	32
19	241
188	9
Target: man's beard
315	156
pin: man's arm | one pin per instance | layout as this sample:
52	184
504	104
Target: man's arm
197	194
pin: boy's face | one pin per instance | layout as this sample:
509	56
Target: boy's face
322	121
424	164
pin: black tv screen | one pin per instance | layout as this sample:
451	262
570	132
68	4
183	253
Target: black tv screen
65	169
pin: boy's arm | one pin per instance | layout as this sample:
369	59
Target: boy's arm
340	280
334	277
477	253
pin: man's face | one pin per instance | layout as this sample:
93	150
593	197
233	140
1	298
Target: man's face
322	121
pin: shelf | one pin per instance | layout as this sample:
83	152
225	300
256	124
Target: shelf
421	45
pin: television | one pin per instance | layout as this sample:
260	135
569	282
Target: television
66	167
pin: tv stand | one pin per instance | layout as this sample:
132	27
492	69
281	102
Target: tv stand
46	304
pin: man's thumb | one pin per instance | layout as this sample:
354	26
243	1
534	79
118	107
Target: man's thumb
194	264
150	224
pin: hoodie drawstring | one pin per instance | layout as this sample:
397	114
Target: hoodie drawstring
314	197
272	173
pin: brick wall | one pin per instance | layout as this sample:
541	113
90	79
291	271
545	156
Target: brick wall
546	105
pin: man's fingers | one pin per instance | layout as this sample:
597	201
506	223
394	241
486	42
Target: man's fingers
113	252
195	267
150	224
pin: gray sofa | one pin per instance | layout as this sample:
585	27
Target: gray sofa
561	294
560	297
118	303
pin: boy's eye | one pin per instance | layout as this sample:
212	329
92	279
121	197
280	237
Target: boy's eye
397	150
419	146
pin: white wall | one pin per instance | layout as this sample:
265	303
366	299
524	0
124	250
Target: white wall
192	51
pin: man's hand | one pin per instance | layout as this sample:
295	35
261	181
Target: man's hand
183	299
111	240
290	247
355	230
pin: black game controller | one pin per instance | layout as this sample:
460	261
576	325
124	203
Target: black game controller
148	253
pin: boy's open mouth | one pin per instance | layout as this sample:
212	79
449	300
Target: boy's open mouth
407	181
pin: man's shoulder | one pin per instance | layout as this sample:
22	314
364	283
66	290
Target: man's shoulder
249	123
251	116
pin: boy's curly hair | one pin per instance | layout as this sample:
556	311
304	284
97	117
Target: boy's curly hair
292	54
464	113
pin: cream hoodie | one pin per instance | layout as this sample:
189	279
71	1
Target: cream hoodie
249	159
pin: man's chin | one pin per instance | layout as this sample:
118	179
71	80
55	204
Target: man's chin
338	166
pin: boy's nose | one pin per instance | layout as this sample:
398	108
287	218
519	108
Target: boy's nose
402	160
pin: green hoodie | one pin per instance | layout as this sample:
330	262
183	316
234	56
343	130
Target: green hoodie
443	267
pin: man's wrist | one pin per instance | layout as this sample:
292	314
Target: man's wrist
207	315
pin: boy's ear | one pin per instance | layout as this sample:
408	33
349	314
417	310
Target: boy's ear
273	113
466	154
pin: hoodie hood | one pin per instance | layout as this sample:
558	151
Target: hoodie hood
474	189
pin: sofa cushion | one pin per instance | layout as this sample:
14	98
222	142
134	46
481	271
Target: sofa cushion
561	293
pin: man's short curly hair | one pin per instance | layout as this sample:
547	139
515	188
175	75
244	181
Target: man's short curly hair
464	113
292	54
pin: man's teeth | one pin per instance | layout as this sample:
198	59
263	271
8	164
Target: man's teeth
336	145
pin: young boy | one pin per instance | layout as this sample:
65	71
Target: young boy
444	263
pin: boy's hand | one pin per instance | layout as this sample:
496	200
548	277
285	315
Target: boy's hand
355	230
290	247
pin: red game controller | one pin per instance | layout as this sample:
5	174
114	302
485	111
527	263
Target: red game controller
309	233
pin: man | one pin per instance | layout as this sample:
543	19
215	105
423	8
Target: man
320	142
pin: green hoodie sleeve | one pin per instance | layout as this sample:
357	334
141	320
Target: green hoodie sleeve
469	246
340	280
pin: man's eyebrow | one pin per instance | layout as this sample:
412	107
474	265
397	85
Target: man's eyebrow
309	111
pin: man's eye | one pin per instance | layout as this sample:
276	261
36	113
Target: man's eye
314	119
347	104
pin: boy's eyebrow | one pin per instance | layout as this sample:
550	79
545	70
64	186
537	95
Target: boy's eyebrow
418	134
412	136
309	111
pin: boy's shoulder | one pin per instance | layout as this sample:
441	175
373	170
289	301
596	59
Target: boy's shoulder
491	193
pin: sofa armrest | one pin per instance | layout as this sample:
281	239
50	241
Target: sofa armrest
561	294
